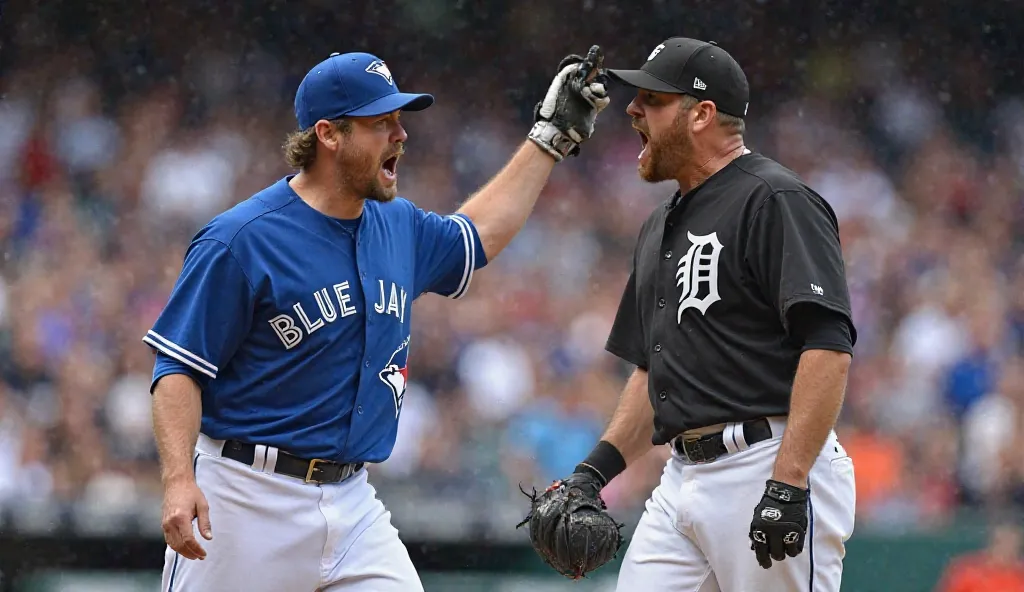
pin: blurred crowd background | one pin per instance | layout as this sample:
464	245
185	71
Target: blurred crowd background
122	132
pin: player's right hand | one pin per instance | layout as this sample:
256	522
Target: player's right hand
183	502
565	118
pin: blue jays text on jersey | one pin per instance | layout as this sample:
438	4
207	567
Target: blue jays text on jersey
296	324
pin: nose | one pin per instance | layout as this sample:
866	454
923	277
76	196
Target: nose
634	110
399	134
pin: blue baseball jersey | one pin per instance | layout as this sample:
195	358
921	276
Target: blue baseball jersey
296	324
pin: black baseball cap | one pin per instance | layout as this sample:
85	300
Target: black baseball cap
697	68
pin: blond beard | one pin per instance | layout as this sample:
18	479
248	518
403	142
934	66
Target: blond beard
360	172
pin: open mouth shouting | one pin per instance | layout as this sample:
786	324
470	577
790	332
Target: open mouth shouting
389	168
644	140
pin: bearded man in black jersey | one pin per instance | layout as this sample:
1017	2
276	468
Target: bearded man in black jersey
736	315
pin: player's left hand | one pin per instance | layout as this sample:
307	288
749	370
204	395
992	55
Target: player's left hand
570	527
565	118
780	523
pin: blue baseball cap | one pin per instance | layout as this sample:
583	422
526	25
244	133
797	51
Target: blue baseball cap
352	84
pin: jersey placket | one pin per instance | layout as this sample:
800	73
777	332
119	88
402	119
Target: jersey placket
663	317
365	286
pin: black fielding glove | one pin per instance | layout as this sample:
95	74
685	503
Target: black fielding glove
570	527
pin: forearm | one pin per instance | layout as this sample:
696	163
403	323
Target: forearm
177	410
818	392
632	425
500	208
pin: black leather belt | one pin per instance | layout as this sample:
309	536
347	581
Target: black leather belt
310	471
705	449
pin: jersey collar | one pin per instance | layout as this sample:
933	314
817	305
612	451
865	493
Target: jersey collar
678	196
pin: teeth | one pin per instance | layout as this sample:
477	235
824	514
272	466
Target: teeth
643	143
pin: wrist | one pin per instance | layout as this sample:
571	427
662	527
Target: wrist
790	476
552	140
176	478
785	492
605	461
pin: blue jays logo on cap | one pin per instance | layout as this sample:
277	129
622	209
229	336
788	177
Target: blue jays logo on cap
381	69
352	85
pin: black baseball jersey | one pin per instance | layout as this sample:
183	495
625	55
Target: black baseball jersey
715	274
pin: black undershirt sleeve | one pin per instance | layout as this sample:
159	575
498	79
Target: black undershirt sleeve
817	327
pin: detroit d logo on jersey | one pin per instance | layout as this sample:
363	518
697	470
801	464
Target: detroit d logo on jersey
697	276
396	373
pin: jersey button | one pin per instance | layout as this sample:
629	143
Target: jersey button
668	254
657	347
662	395
661	303
359	410
367	363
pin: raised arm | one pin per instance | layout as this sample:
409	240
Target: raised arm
563	120
500	208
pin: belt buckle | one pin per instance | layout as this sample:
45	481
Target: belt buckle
700	457
312	468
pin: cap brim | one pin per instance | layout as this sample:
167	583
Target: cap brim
641	79
398	101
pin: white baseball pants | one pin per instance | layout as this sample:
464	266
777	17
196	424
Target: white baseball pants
273	532
693	535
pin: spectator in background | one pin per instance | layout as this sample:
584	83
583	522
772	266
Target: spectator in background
1016	315
990	465
997	568
975	373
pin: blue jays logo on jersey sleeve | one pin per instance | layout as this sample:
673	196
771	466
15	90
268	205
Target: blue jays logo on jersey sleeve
396	373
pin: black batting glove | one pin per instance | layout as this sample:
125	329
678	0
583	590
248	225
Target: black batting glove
565	118
780	523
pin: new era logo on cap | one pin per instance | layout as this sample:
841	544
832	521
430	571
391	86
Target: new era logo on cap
699	84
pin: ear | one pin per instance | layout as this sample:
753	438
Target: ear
327	134
703	115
